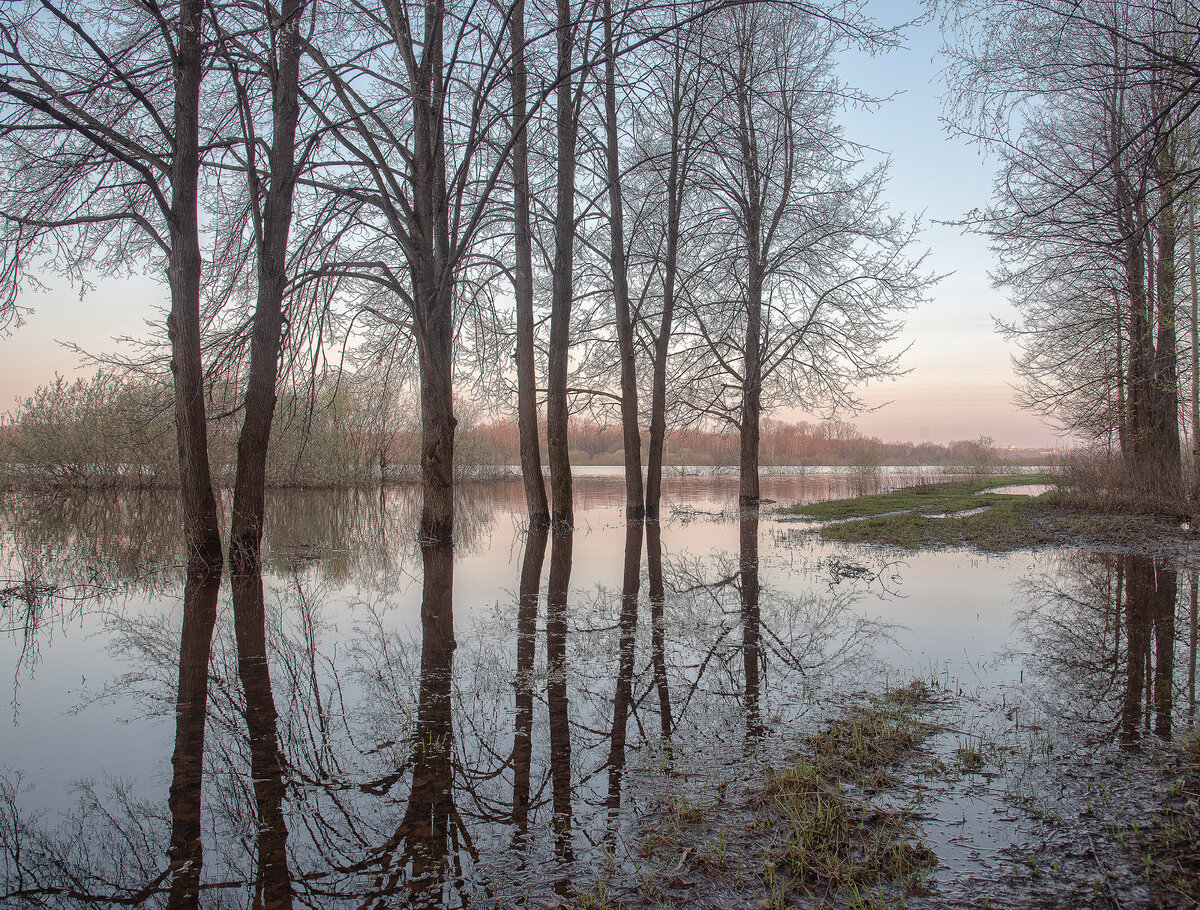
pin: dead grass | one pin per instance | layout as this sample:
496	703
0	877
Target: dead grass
1108	484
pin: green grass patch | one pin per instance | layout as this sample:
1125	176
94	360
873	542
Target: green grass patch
1017	522
1010	525
830	835
927	498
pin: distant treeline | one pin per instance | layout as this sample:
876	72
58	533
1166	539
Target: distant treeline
117	430
830	442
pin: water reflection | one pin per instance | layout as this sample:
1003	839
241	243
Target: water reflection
751	619
272	881
524	679
561	550
658	654
333	748
431	828
631	578
1104	629
186	851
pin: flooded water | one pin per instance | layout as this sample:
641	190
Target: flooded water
499	724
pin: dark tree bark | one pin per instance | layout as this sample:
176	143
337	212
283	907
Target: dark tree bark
567	133
201	531
662	343
432	270
527	411
1167	456
635	508
272	227
751	416
752	223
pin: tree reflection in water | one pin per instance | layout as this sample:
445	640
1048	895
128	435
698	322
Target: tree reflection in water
751	619
524	679
358	763
658	653
430	832
186	851
631	577
561	550
272	882
1103	628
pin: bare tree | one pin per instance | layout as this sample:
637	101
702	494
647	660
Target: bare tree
527	410
807	268
102	152
1086	122
275	59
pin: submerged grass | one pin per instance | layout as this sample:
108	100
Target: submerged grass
1167	846
831	835
814	829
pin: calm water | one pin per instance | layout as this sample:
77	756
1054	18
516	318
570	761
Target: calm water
554	696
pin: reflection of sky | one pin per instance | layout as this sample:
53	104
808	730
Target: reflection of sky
951	611
958	384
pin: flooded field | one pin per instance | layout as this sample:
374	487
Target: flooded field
599	726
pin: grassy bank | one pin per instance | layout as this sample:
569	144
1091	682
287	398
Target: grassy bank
971	514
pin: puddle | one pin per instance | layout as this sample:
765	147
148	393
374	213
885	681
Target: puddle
960	514
1022	489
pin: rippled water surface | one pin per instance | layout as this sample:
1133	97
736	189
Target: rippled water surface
502	722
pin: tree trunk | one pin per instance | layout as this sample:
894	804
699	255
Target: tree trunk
1165	386
1122	405
527	410
249	490
635	507
1195	415
432	283
748	489
1140	346
662	344
567	129
201	530
437	433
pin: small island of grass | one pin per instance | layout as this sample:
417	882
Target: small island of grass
970	514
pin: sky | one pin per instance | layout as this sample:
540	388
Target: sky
959	378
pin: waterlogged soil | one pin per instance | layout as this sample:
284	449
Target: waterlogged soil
991	514
724	711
